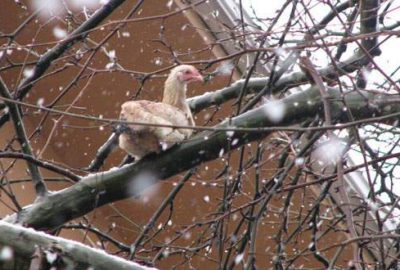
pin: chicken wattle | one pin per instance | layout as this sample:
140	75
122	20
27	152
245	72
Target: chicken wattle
140	140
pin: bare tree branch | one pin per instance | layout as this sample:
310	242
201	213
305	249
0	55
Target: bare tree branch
99	189
37	179
45	61
74	255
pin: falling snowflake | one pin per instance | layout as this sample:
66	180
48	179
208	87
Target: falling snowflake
187	235
144	184
275	110
164	146
239	258
111	54
169	3
48	8
299	161
329	151
206	199
28	72
59	33
230	133
91	4
6	253
126	34
158	61
225	68
40	102
235	142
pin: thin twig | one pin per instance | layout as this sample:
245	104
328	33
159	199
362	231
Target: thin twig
37	179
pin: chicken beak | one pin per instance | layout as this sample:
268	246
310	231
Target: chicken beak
198	78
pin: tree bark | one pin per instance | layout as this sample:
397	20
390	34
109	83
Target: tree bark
74	255
116	184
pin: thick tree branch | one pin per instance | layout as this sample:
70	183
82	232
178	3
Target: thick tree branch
102	188
258	85
75	255
254	85
369	24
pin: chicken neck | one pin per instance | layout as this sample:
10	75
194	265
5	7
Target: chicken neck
174	93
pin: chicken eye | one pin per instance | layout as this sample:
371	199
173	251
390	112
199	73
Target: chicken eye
187	72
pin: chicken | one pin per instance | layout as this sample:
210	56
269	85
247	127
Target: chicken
140	140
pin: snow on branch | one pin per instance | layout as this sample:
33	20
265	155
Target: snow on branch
25	241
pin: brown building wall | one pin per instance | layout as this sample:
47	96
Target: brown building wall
74	142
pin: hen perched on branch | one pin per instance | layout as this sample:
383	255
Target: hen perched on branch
140	140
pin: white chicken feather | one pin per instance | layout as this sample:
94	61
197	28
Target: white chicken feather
141	140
